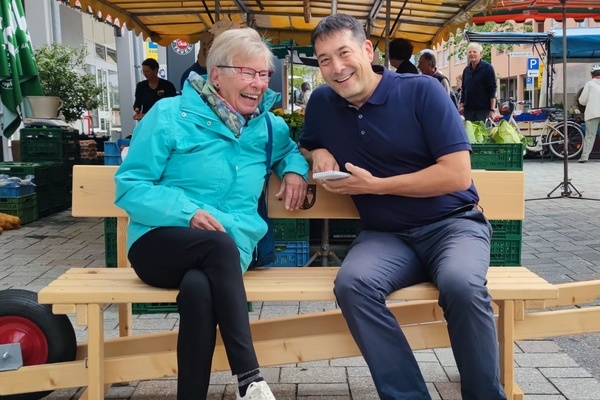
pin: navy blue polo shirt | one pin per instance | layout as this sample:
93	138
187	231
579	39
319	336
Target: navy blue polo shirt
406	124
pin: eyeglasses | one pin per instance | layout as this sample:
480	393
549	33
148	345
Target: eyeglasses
248	74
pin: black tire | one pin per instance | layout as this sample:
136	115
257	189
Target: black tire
56	329
555	139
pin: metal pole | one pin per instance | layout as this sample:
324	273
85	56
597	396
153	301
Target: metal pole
566	191
508	79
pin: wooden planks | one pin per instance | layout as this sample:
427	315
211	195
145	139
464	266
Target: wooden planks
121	285
501	193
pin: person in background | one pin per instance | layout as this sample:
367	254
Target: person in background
478	95
590	98
305	95
411	184
427	66
190	185
458	90
206	40
197	67
400	52
149	91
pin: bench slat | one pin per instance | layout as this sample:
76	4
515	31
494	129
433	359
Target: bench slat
501	193
121	285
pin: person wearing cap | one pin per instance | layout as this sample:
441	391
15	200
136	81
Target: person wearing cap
590	98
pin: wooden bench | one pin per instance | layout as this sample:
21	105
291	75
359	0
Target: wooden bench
100	362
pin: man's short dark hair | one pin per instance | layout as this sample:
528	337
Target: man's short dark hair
151	63
400	49
429	57
336	23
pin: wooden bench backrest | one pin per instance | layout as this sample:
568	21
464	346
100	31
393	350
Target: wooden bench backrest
501	193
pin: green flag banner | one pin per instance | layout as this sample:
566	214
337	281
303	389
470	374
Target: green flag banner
18	72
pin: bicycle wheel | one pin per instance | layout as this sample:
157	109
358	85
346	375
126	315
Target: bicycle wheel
556	139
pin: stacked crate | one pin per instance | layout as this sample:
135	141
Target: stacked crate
292	247
507	235
88	150
50	144
58	145
18	199
52	183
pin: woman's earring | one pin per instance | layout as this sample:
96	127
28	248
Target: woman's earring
217	87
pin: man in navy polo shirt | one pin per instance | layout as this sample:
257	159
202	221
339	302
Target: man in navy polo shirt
404	144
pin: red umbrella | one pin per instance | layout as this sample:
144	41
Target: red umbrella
539	10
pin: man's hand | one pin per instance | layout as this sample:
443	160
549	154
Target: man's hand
293	187
322	160
204	220
359	182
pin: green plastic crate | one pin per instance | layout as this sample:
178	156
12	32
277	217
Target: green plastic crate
153	308
505	252
110	242
497	157
339	229
162	308
49	144
503	228
45	173
24	207
291	229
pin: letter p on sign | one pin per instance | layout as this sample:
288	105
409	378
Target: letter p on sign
533	63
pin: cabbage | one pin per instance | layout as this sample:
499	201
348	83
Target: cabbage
470	131
505	133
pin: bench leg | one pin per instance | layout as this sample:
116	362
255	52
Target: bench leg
506	340
95	361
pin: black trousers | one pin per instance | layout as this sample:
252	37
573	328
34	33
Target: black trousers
205	266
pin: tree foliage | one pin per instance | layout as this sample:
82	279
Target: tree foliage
458	44
62	73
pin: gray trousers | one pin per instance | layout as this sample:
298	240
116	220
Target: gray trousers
454	253
591	128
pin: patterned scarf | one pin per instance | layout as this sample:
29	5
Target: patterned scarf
231	118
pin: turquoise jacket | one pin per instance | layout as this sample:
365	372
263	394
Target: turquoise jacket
182	158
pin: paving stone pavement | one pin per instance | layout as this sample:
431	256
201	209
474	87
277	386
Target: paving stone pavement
560	242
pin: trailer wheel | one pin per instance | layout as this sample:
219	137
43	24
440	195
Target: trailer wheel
44	337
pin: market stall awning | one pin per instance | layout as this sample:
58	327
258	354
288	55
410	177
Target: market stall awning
424	22
539	10
509	37
583	45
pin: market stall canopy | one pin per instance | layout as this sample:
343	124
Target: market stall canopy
539	10
423	22
583	45
509	37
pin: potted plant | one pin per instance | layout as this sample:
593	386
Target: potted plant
62	74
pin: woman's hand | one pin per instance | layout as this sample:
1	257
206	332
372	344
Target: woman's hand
293	186
137	114
204	220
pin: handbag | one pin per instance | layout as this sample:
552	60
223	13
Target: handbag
264	253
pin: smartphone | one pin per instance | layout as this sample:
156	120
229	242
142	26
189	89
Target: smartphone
330	175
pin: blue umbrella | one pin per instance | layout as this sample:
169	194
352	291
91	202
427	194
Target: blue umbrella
18	71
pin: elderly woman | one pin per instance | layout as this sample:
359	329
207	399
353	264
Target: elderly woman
191	184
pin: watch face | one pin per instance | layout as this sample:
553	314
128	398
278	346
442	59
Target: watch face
181	47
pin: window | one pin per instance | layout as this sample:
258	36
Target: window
111	55
113	89
100	51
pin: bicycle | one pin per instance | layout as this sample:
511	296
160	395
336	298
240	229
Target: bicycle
551	138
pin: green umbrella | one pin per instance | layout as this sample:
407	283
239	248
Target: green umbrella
18	72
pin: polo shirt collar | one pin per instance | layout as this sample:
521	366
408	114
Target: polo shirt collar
383	87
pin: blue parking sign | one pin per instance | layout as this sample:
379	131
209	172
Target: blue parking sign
533	63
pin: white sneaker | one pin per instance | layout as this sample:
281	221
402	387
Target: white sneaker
257	391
